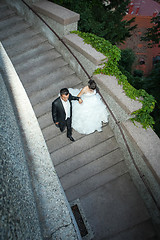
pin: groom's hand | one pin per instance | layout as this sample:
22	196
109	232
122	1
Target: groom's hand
80	100
57	123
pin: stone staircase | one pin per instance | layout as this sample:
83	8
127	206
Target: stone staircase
92	170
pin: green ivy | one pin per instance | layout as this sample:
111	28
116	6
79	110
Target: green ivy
113	54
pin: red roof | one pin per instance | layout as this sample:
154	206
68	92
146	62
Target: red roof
144	7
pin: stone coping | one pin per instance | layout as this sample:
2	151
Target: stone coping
110	83
147	143
57	13
85	49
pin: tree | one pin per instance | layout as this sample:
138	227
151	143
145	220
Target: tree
127	59
125	65
152	82
103	19
152	85
153	34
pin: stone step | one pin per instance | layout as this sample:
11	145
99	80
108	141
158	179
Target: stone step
37	60
60	141
50	131
95	182
15	31
88	156
24	45
3	4
92	168
5	12
60	70
10	22
41	73
143	230
47	93
31	53
45	120
81	145
43	108
79	86
20	40
117	204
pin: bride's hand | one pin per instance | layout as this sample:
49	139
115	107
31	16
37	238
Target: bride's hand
80	100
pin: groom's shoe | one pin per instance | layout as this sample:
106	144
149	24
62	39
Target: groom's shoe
71	138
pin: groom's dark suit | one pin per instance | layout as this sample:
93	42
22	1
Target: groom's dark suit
59	115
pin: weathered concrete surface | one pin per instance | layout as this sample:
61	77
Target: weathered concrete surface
150	149
110	83
58	13
131	210
86	50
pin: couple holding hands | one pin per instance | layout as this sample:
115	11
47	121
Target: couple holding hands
84	115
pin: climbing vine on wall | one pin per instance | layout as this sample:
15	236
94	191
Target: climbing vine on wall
113	55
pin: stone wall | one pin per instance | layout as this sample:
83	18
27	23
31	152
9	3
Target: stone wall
19	219
34	202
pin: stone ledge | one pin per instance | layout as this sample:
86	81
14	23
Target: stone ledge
147	143
110	83
85	49
58	13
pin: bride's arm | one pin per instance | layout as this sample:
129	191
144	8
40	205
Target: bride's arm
82	92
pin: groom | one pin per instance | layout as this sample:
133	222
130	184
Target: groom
62	111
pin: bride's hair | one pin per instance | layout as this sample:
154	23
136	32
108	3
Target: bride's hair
92	85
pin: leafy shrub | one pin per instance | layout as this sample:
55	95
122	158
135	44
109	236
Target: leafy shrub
138	73
111	67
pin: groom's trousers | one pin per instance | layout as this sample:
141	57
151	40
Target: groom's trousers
68	125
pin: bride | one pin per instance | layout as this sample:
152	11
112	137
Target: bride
88	116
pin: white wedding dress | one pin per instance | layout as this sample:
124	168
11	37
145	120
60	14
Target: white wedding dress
88	116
